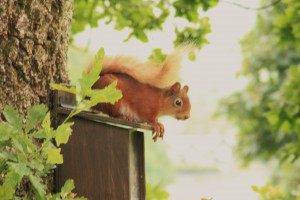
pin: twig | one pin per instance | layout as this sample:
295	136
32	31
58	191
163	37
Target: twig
251	8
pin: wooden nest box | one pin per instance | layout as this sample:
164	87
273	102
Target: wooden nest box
104	156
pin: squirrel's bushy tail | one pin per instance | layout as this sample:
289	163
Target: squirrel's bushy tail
155	74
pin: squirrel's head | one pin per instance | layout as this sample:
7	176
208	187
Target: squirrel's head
178	101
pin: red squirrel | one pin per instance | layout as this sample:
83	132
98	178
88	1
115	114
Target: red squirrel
149	89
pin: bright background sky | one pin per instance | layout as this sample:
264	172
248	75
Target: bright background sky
201	140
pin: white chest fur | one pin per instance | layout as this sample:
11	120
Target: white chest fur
126	111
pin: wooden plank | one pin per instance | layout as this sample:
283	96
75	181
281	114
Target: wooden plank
137	163
105	119
65	101
97	158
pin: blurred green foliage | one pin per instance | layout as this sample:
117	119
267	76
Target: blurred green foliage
267	111
287	23
156	192
159	168
286	175
144	16
157	55
272	192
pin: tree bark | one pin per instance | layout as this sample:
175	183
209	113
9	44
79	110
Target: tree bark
34	36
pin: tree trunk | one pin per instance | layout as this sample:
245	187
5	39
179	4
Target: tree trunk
34	37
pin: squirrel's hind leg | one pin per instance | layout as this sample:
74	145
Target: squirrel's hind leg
127	118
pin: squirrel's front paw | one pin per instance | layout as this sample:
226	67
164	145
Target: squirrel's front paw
159	130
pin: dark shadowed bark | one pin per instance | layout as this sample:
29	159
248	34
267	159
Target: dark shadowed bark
34	37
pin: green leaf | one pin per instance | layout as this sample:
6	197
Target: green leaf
192	56
23	145
40	134
54	156
156	192
63	133
255	189
113	94
71	89
2	164
67	188
5	132
36	182
100	55
285	126
272	118
8	155
29	144
157	55
13	117
6	192
141	35
35	115
109	94
46	125
21	169
17	145
37	164
53	197
88	79
13	177
296	30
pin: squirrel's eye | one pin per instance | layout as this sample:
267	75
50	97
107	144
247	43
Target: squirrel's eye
178	102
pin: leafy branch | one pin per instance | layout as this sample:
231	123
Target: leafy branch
143	17
21	156
251	8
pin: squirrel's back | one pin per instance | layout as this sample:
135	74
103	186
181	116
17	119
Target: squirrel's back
156	74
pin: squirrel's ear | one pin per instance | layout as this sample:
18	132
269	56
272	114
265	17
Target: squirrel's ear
174	89
185	88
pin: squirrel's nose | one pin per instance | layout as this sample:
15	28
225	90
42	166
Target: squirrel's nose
186	116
